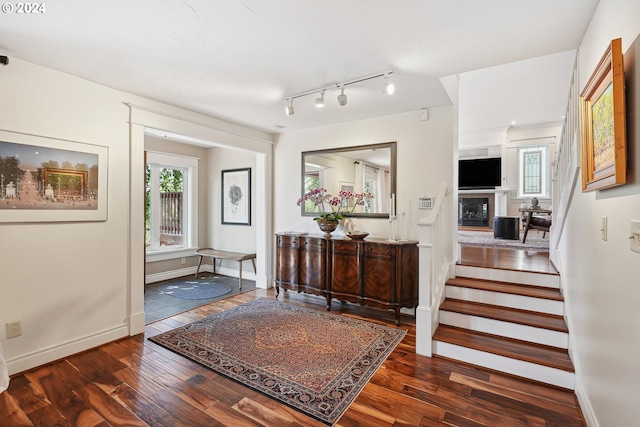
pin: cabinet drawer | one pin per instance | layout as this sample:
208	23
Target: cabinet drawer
312	244
346	247
287	241
378	249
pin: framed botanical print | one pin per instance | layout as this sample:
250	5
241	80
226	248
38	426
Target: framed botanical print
236	196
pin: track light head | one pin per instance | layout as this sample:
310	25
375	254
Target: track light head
388	86
289	109
342	98
320	101
4	60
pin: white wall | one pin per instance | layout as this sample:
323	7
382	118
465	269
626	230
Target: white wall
77	285
235	238
425	159
601	278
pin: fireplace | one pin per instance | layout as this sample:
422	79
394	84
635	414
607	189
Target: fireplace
475	210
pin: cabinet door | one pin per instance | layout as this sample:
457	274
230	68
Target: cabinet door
345	260
287	260
379	272
313	264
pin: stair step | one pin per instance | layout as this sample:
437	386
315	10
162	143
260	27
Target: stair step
515	276
511	348
523	317
508	288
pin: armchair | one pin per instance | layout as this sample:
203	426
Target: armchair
540	221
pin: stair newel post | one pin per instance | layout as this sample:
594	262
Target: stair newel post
424	312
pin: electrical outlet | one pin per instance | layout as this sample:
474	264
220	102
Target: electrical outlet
603	229
183	260
14	329
634	239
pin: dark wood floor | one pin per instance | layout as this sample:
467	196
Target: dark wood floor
133	382
507	259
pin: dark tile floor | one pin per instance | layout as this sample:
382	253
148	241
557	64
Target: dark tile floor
158	306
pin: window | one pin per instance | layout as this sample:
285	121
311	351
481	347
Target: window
533	172
171	203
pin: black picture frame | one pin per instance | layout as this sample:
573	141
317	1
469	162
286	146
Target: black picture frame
236	196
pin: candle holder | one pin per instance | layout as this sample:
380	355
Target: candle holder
392	234
403	227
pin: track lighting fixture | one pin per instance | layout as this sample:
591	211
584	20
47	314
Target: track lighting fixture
342	98
289	108
388	88
320	101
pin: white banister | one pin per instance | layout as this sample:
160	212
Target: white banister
566	165
435	254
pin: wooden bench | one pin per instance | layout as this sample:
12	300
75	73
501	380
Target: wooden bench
216	254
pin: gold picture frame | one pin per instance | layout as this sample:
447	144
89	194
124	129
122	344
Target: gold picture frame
603	123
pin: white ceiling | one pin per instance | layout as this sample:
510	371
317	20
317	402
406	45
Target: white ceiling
240	59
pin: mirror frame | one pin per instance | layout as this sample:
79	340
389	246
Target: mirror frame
392	172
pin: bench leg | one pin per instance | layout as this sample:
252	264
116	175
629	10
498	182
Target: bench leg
240	281
198	269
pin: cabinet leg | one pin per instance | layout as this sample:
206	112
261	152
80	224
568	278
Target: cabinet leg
397	316
277	291
328	303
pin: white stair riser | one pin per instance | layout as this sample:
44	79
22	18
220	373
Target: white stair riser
506	329
544	374
505	300
523	277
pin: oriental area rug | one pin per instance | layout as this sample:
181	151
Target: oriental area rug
311	360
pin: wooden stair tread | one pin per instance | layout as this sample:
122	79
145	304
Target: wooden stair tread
523	317
506	287
507	347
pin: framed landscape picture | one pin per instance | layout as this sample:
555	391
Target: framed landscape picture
51	180
236	196
603	124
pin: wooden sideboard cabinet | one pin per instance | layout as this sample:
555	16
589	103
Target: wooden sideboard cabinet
370	272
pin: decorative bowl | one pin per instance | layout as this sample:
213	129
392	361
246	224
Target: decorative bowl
357	235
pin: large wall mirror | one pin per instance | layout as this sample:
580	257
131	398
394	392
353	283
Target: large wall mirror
364	168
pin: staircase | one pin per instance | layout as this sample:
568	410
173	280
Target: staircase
509	321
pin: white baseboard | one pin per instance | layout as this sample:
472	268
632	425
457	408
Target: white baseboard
189	271
585	406
174	274
47	355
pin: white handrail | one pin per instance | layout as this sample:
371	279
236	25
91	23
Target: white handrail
435	259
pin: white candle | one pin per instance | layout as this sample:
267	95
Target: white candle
393	204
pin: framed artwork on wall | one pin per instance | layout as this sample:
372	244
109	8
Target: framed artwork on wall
603	124
51	180
236	196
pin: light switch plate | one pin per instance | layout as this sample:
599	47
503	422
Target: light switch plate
634	238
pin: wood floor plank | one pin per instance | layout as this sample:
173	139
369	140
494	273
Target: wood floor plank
64	399
48	416
184	412
11	413
110	409
230	416
144	408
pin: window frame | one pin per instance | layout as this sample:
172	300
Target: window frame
159	160
544	171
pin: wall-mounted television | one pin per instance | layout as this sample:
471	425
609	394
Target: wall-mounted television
477	174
